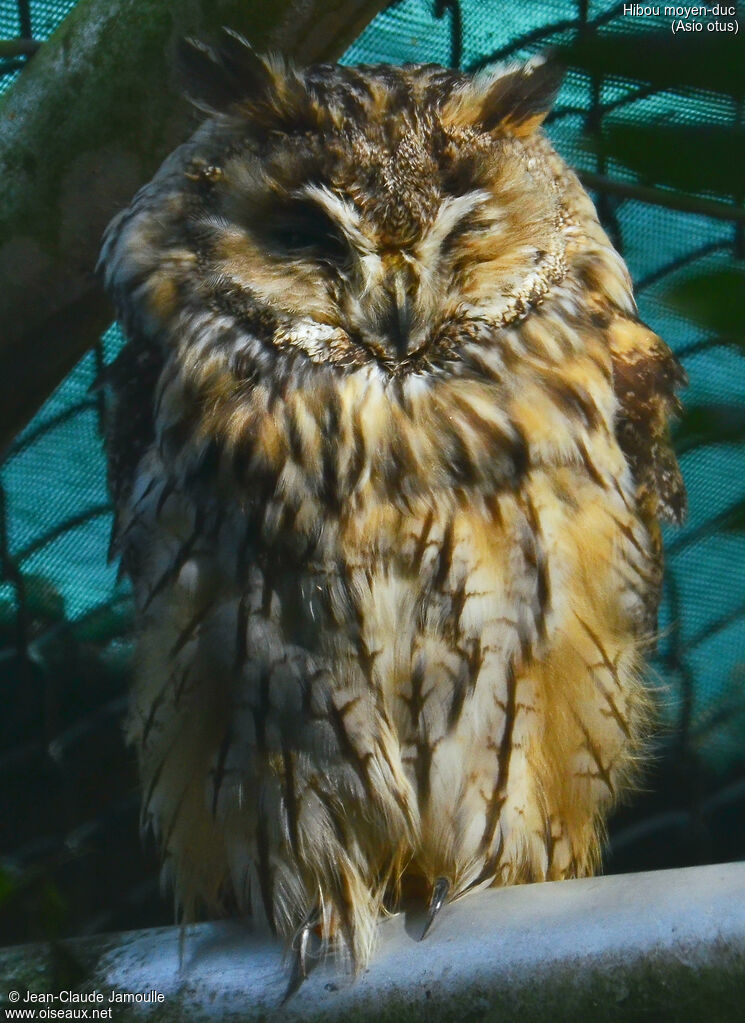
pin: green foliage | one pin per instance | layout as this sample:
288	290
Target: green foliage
672	154
715	300
712	62
8	885
735	523
692	157
709	424
695	158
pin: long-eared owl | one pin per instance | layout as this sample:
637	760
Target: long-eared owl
388	450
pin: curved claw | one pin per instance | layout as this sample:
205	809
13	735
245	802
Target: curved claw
440	893
300	960
299	964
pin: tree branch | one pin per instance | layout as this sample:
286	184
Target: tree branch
88	122
18	47
662	197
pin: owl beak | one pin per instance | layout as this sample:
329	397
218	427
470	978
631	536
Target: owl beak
400	314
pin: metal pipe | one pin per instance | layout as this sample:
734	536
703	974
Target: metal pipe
667	945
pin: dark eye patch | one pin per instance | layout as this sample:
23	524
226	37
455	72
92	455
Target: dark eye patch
472	224
462	173
304	230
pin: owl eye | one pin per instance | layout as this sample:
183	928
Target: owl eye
306	231
462	174
472	224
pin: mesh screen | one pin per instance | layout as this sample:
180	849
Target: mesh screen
71	859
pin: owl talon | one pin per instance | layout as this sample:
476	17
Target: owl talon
301	960
437	901
299	965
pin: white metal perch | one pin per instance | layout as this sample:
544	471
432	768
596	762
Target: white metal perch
667	945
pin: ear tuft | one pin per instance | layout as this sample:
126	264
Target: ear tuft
217	77
518	101
512	101
231	78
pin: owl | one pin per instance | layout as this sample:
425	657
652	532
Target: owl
388	451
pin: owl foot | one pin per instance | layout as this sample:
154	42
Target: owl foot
437	901
304	954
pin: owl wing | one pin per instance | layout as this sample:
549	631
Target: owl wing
646	376
645	372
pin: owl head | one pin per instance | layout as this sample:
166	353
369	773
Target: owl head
371	215
377	277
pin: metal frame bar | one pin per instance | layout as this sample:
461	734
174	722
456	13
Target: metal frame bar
668	945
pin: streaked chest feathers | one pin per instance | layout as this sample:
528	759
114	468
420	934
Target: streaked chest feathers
388	450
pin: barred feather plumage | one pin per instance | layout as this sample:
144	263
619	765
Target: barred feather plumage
389	451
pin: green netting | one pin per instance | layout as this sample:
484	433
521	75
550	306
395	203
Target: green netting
56	502
28	20
54	531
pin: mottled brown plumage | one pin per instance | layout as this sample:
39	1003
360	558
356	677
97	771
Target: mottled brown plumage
389	449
